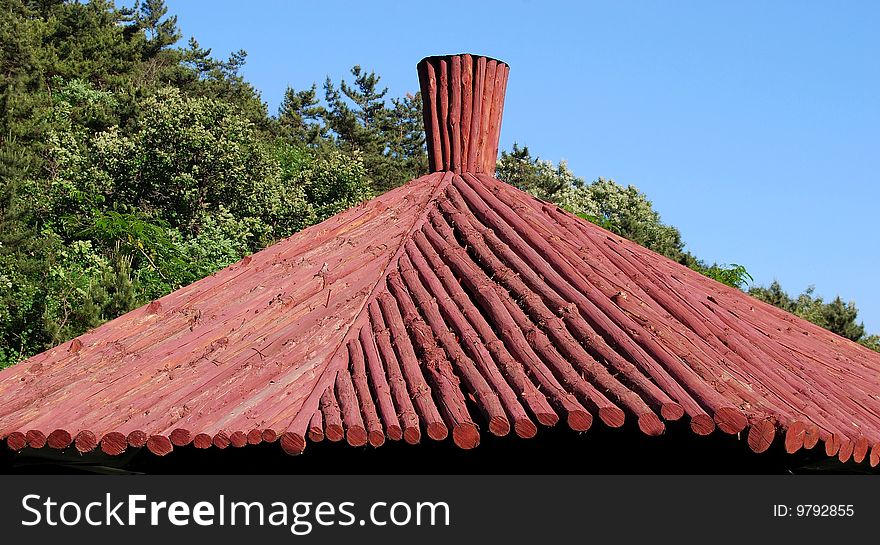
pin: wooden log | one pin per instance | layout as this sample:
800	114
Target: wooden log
455	112
202	441
743	355
485	397
794	436
501	74
467	105
845	451
860	449
477	347
761	434
485	115
593	399
642	279
481	288
478	240
375	435
16	441
254	437
811	436
333	429
36	438
316	427
137	439
85	441
238	439
738	321
443	99
380	386
355	430
430	105
648	270
59	439
638	305
447	389
402	400
180	437
875	455
221	440
113	443
409	365
513	369
479	77
159	445
602	314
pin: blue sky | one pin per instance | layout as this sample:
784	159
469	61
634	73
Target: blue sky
753	127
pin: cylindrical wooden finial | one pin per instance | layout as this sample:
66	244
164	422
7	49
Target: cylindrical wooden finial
463	98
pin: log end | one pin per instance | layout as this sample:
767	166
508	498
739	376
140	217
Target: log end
761	435
671	411
499	426
547	419
466	435
254	437
16	441
412	435
59	439
651	425
293	443
437	431
794	436
202	440
181	437
35	438
376	438
269	436
875	455
613	417
702	424
334	432
579	420
137	439
860	449
238	439
356	436
159	445
730	420
525	428
316	434
811	436
846	450
85	441
113	443
394	432
221	440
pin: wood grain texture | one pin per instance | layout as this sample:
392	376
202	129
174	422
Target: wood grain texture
451	305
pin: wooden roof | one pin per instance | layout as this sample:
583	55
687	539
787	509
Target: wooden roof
454	305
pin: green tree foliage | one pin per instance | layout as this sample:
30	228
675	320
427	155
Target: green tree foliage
625	211
836	316
131	167
390	139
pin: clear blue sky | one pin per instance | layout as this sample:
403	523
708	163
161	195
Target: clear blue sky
753	127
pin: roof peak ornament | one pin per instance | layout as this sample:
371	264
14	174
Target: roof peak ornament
463	99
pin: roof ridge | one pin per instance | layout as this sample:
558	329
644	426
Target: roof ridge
293	438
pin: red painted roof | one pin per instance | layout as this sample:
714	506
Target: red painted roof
454	305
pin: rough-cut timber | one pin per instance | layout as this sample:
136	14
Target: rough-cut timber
462	99
451	305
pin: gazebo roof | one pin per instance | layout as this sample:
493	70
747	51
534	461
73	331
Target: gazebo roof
453	305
